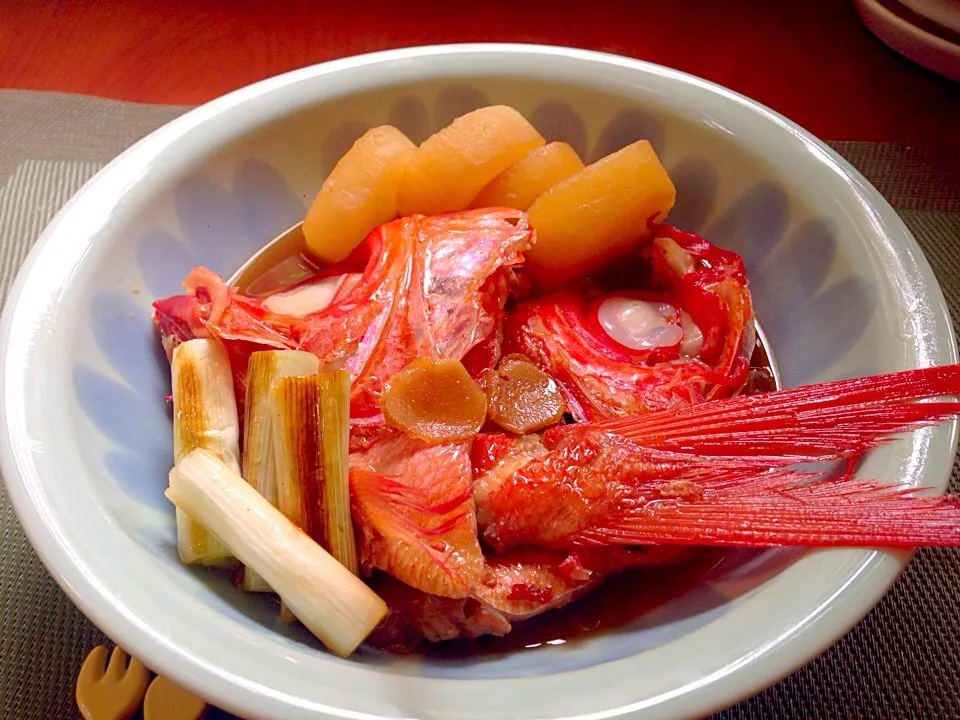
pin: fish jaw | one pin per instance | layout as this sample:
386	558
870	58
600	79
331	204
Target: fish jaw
712	287
177	320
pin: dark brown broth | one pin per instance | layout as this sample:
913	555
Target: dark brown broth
618	601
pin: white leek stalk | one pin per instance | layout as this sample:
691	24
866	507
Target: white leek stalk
334	389
333	603
311	436
259	461
204	416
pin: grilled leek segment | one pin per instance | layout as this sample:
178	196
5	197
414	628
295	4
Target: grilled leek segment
259	456
311	436
204	416
334	389
332	602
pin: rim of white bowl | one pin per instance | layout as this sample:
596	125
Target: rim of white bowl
822	627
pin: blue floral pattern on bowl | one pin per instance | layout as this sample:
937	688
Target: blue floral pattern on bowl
219	224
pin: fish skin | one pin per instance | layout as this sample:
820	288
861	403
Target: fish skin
599	378
432	287
721	473
430	544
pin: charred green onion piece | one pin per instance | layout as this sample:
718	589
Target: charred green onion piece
333	603
259	457
204	416
311	434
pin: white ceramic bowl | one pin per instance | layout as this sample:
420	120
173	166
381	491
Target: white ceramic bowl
839	285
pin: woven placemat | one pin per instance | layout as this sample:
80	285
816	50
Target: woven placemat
902	662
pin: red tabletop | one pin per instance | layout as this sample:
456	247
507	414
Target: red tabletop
811	60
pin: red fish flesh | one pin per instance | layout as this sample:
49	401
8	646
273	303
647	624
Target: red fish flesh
665	452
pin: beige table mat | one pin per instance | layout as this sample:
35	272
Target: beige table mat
902	662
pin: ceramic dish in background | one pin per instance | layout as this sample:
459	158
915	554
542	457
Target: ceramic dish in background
924	31
944	13
839	285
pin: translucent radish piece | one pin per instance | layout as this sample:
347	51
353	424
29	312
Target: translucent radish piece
359	194
523	182
597	215
454	164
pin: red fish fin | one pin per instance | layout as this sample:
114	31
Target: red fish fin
393	500
808	423
780	508
398	513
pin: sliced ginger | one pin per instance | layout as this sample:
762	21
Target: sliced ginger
588	219
521	397
359	194
521	184
434	400
451	166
